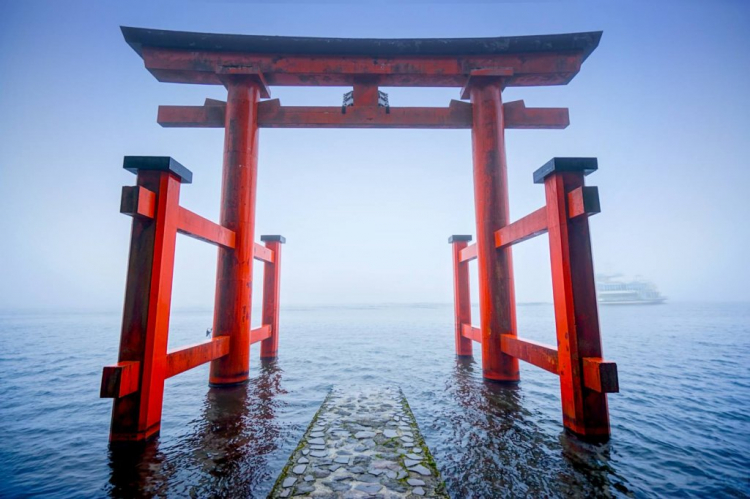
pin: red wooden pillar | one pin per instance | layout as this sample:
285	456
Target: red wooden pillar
269	347
234	279
496	296
141	369
578	338
461	296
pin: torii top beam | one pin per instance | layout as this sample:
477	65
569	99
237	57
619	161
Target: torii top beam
185	57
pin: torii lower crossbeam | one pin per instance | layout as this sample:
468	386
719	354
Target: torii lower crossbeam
271	114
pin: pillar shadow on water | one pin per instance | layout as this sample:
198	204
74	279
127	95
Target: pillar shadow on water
593	462
222	453
500	444
136	470
501	401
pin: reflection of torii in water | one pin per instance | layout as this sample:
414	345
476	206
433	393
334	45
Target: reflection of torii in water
239	428
247	66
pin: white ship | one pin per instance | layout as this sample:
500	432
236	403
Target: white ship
611	290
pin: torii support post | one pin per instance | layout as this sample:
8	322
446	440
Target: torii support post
234	280
142	360
269	347
585	378
136	382
496	294
462	303
576	315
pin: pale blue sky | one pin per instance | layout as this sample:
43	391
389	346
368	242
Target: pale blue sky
663	104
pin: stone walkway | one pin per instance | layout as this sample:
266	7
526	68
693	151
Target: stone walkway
361	443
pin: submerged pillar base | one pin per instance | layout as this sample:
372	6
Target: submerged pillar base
136	436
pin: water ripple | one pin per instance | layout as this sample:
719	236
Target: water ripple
681	424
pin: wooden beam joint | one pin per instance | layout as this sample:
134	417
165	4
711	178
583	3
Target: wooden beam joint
263	254
473	333
469	253
121	379
260	334
534	353
235	71
137	201
600	375
197	227
583	201
531	225
517	115
186	358
498	75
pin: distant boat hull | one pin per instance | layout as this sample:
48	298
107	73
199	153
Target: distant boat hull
657	301
612	291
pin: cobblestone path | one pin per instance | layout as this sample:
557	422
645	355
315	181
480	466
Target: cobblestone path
361	443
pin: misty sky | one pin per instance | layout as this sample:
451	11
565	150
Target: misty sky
664	103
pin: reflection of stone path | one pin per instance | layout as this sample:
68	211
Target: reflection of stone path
362	443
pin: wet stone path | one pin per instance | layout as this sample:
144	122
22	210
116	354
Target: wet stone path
361	443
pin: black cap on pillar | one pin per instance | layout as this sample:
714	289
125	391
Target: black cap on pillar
458	238
158	163
556	165
273	239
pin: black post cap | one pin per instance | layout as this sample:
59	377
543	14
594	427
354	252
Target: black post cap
158	163
556	165
273	239
458	238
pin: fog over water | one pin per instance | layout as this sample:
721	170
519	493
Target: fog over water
366	286
662	103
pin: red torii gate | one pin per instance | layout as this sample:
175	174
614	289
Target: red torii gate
247	66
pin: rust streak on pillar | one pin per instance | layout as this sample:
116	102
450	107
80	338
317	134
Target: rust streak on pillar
235	266
496	295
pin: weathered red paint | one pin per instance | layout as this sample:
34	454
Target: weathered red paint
529	69
269	348
496	295
584	410
462	303
235	267
365	92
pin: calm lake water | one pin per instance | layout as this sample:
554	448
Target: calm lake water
680	426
